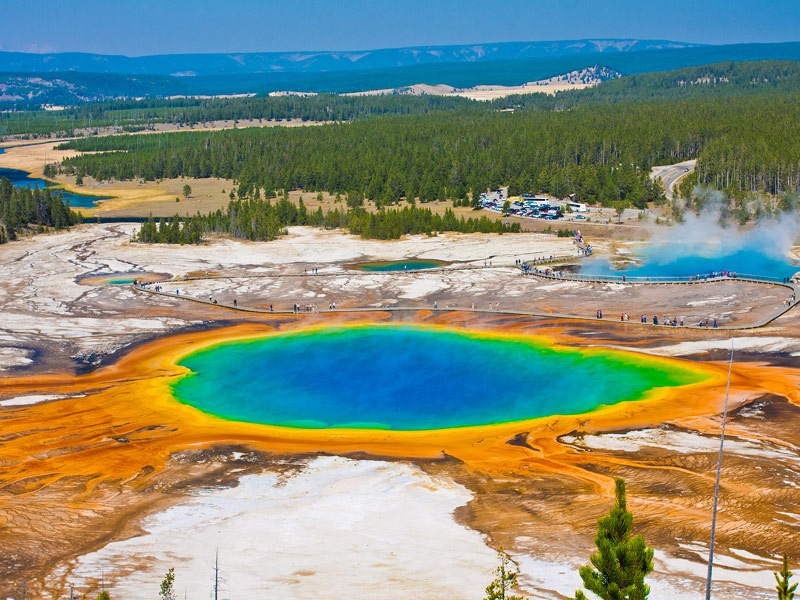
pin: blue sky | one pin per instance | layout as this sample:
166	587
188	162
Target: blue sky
138	27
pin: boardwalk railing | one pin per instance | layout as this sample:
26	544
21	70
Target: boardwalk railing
449	309
702	278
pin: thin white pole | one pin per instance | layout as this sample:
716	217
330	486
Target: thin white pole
716	486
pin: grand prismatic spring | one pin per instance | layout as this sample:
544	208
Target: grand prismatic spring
411	379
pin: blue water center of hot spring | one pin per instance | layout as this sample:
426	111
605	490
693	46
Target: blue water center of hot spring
411	378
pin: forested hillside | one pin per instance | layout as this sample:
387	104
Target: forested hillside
600	152
46	82
21	90
137	115
717	80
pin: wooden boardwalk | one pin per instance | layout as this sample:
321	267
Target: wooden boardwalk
794	287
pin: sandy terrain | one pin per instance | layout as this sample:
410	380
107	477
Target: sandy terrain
575	80
122	475
480	92
391	519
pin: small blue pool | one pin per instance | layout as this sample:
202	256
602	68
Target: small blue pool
21	178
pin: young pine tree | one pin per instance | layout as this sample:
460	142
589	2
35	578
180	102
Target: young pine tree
168	586
621	562
782	577
505	580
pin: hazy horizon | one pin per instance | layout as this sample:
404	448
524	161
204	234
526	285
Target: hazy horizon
251	26
38	50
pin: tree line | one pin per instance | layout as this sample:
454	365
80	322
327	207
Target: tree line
715	80
718	80
261	220
24	208
138	115
601	153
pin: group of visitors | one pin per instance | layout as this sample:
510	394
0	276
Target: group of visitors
526	265
310	271
707	323
547	271
583	248
298	308
664	320
673	321
712	275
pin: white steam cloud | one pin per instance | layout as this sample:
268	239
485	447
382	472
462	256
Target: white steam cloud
711	233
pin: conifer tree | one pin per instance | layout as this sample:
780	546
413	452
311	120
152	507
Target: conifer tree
782	577
168	586
621	563
505	580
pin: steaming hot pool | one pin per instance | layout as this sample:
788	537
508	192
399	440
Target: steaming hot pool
412	378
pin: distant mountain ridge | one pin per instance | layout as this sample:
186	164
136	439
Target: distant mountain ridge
30	89
318	61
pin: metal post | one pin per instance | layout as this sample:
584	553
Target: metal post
716	485
216	574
